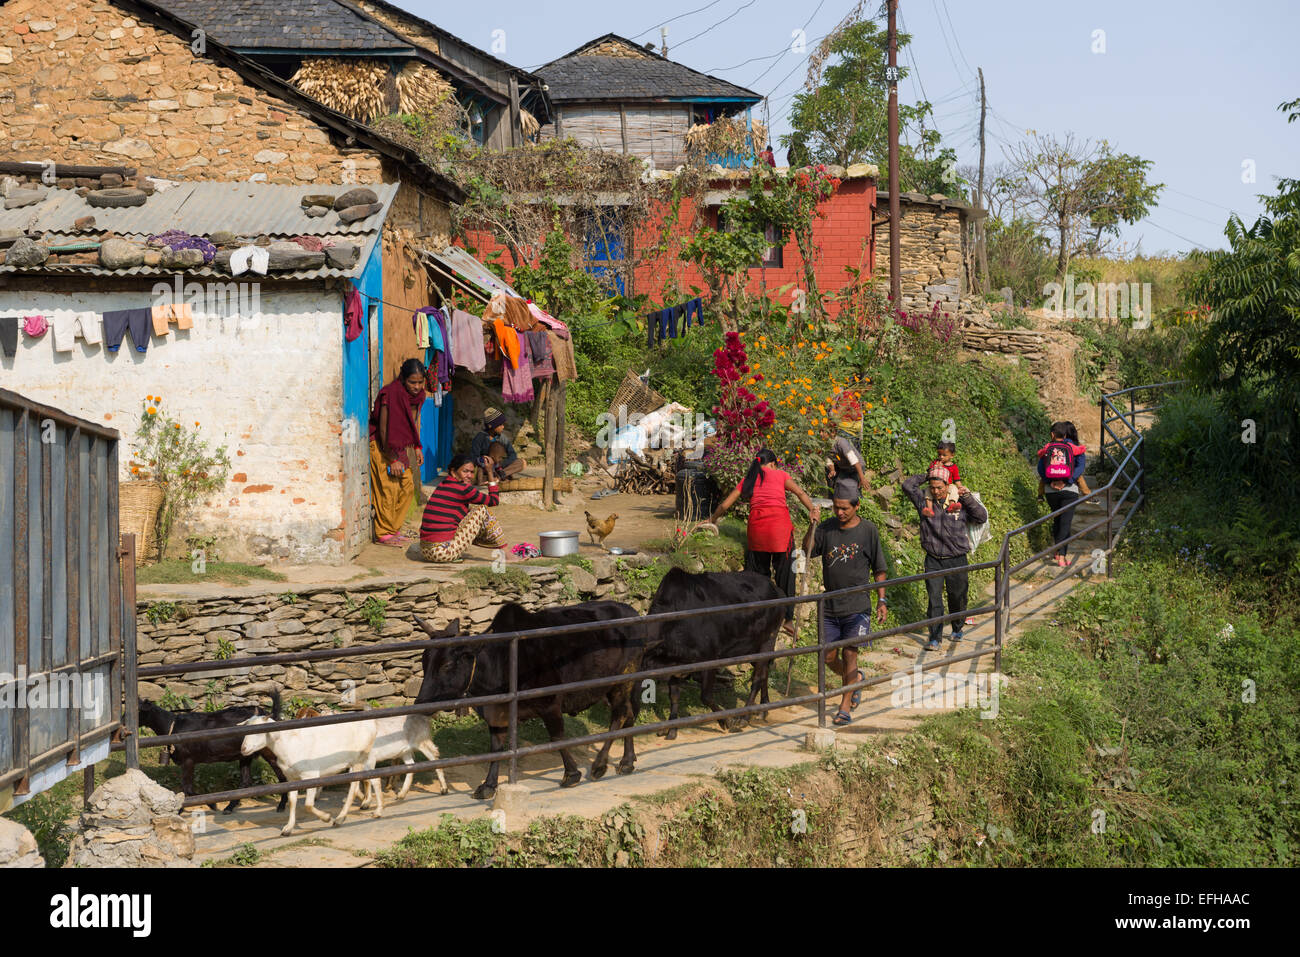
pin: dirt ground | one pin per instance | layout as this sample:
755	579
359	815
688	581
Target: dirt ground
641	518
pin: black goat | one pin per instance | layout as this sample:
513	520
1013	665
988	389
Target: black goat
189	753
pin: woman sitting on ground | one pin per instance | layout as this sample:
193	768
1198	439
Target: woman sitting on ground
456	515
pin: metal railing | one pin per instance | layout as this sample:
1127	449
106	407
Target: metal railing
1000	610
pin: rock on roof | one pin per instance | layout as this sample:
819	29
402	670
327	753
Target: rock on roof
286	24
631	73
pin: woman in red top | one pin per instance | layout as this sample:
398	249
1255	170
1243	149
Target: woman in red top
770	536
456	516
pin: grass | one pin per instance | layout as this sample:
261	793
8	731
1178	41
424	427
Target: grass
178	571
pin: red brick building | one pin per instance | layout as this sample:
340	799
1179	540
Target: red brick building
843	237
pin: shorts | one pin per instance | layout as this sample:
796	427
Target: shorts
835	629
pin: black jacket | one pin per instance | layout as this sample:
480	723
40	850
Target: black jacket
943	534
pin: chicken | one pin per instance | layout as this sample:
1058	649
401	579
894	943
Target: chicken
602	528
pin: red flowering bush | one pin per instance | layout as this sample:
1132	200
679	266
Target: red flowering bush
742	417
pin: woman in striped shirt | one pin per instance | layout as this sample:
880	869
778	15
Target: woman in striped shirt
456	516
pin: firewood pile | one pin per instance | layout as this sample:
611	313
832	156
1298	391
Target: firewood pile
648	474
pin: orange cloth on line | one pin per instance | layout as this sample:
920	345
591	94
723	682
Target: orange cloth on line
179	314
509	342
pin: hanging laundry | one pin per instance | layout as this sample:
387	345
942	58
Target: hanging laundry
352	314
179	314
508	341
496	307
246	257
518	316
438	339
693	307
69	325
562	353
35	326
517	383
544	317
539	348
116	323
9	335
421	324
446	362
467	341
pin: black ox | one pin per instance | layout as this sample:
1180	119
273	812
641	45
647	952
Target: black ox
687	641
464	671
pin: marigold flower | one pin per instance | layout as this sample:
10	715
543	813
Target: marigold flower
152	410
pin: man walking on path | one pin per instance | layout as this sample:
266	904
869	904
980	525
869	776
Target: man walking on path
946	543
851	554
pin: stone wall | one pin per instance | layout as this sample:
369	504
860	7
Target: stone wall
83	82
264	621
932	250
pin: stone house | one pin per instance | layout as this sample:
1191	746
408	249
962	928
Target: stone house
500	105
266	367
614	94
112	93
934	246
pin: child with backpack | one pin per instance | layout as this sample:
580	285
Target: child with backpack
1061	463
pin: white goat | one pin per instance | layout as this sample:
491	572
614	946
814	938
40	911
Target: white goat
400	737
304	753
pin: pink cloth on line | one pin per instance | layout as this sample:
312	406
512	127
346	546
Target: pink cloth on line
467	341
517	383
352	314
544	317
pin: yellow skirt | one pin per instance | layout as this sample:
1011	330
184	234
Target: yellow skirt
390	497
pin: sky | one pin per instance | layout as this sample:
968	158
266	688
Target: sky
1191	85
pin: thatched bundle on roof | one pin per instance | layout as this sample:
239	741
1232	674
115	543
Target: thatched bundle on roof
725	135
355	88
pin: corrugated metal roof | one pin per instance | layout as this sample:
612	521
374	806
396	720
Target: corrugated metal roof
245	209
462	263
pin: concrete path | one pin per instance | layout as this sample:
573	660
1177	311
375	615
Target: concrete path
697	753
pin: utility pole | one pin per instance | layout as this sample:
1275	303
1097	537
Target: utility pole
980	246
891	74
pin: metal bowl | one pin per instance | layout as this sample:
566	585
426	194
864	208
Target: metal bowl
559	543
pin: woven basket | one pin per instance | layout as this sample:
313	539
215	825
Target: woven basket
636	395
138	504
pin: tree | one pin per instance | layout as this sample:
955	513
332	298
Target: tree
1080	191
843	115
1253	291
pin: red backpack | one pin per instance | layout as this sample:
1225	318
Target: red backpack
1060	461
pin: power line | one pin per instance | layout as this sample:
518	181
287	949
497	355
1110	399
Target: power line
708	29
1172	233
787	48
680	16
955	38
1200	199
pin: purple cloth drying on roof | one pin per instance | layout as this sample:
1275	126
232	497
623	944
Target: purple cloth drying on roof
175	239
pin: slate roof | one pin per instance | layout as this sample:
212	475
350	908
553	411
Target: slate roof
287	24
653	77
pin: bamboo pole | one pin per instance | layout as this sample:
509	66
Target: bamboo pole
548	473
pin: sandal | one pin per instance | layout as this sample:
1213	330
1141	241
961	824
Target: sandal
842	718
857	695
393	541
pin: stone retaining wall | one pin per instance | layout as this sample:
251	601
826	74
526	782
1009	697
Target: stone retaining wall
337	616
